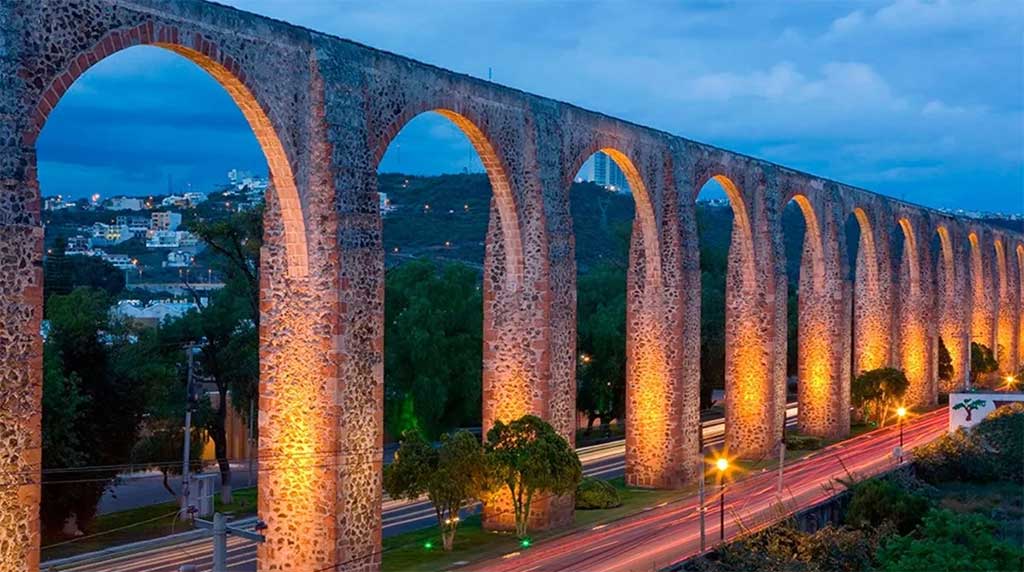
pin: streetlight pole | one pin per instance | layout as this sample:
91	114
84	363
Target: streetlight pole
901	412
700	484
188	437
721	514
722	464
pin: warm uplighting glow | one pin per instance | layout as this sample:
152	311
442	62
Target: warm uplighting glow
1011	381
585	358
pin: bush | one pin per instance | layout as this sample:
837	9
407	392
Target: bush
949	541
992	450
784	548
594	493
878	502
796	441
1002	435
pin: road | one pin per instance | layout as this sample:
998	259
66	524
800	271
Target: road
663	536
606	460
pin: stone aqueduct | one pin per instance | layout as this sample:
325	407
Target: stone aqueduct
324	110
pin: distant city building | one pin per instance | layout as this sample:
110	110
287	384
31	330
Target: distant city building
122	261
164	220
137	225
150	316
78	245
56	203
172	239
178	259
125	204
385	204
108	234
602	170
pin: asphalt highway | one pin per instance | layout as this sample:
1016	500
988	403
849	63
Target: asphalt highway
663	536
606	460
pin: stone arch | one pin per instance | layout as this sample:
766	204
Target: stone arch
948	308
1004	323
751	391
229	74
645	218
821	366
1020	305
981	330
501	190
913	320
910	254
871	320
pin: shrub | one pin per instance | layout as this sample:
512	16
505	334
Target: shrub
803	442
784	548
594	493
949	541
1002	435
878	502
992	450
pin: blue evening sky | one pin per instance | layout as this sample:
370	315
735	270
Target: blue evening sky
918	100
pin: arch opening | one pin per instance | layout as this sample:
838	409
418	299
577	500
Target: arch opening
230	76
950	346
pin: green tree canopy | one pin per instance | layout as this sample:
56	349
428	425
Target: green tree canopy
452	476
945	362
983	362
876	393
432	348
947	541
529	457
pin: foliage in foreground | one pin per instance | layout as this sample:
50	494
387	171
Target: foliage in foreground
881	502
783	547
992	450
949	541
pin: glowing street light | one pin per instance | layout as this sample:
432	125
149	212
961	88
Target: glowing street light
901	412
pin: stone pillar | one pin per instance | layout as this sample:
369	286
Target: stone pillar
872	304
983	300
21	352
1006	315
951	311
755	316
823	388
298	412
1018	258
914	321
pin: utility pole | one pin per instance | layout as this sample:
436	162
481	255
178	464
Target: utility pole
782	449
252	441
189	397
220	531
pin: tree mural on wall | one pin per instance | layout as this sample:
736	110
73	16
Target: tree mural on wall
969	405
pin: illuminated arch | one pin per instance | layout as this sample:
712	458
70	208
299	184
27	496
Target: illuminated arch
980	329
644	206
947	259
813	238
229	74
910	251
741	225
496	175
867	239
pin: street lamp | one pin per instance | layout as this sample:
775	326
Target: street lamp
722	464
901	412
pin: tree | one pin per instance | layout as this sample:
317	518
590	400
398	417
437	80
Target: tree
452	476
92	412
982	361
57	270
161	445
945	362
950	541
94	272
433	343
601	344
529	457
876	392
876	502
